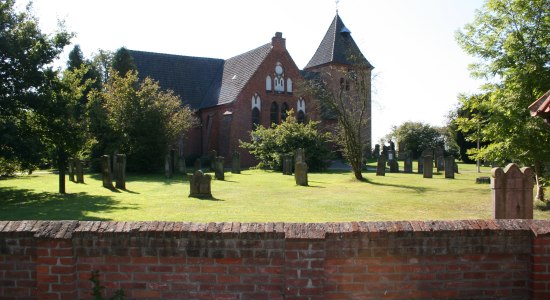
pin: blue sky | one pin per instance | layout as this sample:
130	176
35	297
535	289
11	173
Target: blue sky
419	67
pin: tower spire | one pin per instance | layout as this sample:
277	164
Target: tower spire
337	1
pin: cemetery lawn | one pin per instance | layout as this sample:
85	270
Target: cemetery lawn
254	196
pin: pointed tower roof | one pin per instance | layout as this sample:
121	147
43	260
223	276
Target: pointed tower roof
337	47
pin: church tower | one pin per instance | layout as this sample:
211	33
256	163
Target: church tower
335	58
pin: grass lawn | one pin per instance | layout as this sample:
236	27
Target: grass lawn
254	196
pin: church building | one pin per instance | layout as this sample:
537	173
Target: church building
257	88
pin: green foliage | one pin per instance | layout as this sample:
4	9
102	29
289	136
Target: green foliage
268	144
418	136
123	62
511	39
26	55
97	289
138	119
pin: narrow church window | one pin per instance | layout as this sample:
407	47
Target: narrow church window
301	105
274	113
255	117
256	101
284	111
301	117
268	84
289	85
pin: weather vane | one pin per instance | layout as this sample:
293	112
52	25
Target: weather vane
337	1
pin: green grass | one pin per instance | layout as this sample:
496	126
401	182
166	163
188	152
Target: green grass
254	196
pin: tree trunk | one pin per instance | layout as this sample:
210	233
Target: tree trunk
357	173
61	164
538	174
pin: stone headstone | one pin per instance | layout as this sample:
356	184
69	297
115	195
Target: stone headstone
182	168
71	166
420	165
428	167
427	152
483	180
218	168
120	167
450	167
300	173
408	164
212	154
394	166
381	166
236	163
168	172
113	166
456	168
79	171
287	164
106	172
376	152
392	153
299	155
440	163
200	185
512	192
198	164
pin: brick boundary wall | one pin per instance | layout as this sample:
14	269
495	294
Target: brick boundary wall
470	259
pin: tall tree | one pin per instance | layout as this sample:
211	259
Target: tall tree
76	58
123	62
418	136
26	55
511	39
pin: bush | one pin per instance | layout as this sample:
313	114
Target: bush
268	144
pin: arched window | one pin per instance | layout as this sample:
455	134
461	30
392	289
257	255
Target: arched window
255	117
301	117
289	85
274	113
256	101
268	82
301	105
284	111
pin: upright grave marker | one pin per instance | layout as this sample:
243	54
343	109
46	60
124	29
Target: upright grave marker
381	166
287	164
236	163
106	172
120	167
512	192
408	164
79	171
218	168
300	173
450	167
428	166
200	185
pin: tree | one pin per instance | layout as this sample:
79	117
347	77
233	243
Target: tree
511	39
123	62
347	101
418	136
267	144
141	120
26	55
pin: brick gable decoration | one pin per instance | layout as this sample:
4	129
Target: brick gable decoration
233	96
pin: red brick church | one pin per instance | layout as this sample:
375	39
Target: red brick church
254	88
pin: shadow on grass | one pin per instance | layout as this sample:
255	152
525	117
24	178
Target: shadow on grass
157	178
418	189
23	204
206	199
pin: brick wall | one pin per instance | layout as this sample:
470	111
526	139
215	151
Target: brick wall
474	259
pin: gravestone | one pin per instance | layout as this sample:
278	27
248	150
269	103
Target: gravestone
287	164
197	165
450	167
427	152
381	166
71	166
376	152
182	168
120	169
420	165
456	168
394	166
79	171
236	163
106	172
200	185
428	167
212	154
439	156
114	169
512	192
299	155
483	180
408	164
300	173
168	171
218	168
392	154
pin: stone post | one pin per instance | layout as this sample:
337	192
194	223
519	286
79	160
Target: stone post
512	192
79	171
428	166
120	167
299	155
114	169
71	166
300	173
381	166
106	172
450	167
200	185
218	168
236	163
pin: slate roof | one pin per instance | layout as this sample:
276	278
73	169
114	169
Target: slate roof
541	107
189	77
337	47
